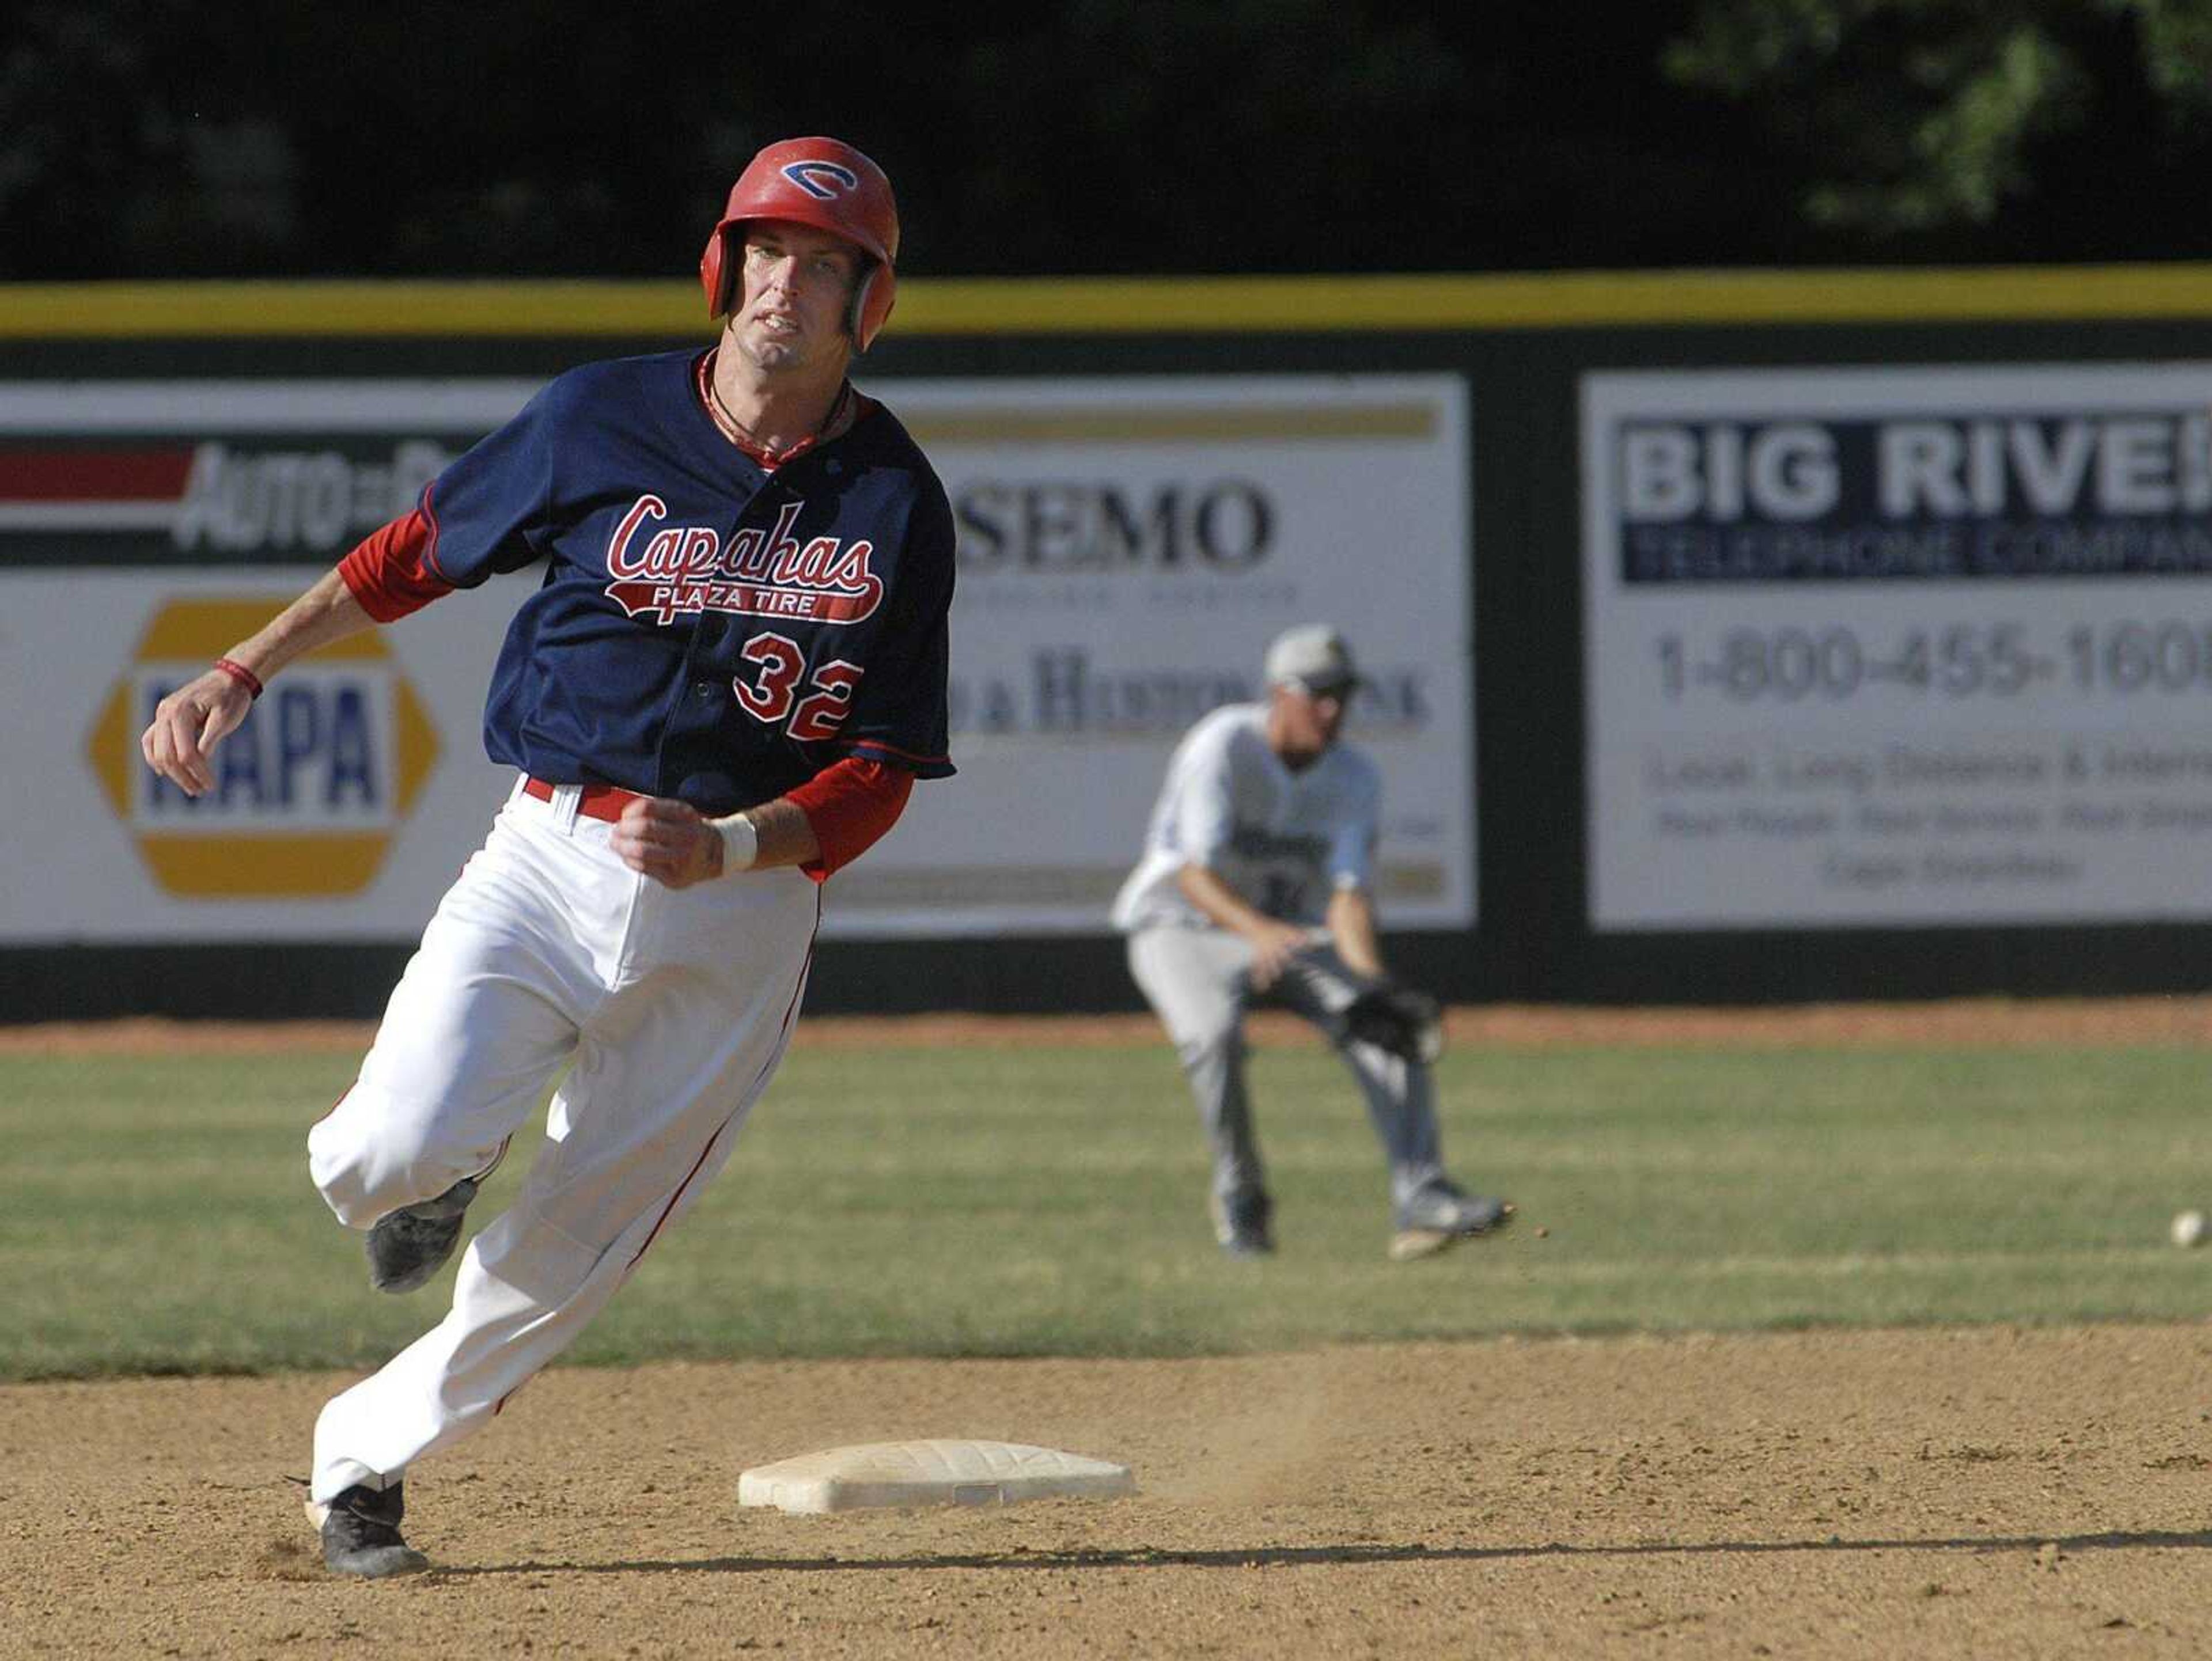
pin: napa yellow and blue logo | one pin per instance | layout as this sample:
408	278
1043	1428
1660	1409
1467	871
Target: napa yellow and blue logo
309	792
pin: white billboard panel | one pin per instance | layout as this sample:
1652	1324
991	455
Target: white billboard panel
1896	647
1126	549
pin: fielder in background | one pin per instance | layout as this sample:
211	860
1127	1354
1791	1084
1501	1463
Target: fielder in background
1255	883
720	691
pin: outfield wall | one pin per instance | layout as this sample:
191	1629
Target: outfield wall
1736	638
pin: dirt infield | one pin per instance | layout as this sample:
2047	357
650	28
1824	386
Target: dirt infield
1967	1494
1970	1494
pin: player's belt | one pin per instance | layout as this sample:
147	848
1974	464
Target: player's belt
596	802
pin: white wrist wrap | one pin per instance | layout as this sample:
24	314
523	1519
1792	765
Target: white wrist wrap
740	843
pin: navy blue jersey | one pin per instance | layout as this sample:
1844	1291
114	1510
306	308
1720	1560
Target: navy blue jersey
707	629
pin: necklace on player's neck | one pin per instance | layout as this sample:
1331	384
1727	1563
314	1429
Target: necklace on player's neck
745	438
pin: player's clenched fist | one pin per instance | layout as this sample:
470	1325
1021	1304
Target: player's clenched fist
669	840
189	723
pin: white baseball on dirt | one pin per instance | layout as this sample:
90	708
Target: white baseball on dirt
2187	1228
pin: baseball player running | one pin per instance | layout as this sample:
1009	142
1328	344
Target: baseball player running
720	692
1254	883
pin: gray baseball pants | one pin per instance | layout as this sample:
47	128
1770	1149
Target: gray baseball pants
1199	983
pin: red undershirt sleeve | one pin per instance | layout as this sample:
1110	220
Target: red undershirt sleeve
393	571
850	804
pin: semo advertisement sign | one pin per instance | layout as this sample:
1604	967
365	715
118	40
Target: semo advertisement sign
1126	548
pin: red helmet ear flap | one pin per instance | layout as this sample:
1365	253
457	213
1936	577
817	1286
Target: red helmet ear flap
873	297
714	272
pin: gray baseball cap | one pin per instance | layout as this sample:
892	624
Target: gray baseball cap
1314	655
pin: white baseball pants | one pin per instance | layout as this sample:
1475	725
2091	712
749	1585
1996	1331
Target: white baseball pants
671	1008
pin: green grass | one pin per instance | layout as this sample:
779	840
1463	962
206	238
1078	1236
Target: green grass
155	1215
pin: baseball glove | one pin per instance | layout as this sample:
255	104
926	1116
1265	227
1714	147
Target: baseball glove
1409	1024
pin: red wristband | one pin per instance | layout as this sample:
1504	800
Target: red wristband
238	672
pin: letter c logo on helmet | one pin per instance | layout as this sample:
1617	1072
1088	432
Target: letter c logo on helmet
826	184
823	180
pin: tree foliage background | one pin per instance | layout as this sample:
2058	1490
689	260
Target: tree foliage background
172	138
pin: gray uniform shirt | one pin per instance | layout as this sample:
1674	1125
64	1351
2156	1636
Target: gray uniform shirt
1282	840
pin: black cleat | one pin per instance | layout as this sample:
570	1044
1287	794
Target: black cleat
1241	1223
361	1535
409	1245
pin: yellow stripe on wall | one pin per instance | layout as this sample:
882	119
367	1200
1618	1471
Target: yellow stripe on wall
1130	306
143	311
1554	300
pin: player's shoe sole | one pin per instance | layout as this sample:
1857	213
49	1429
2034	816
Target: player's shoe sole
1415	1241
406	1247
411	1245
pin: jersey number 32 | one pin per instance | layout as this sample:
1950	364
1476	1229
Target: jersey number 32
775	697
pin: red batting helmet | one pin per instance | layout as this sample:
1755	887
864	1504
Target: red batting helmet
830	186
